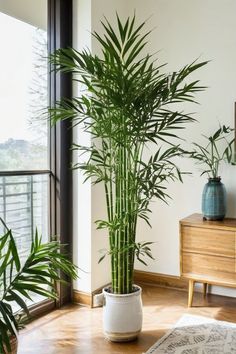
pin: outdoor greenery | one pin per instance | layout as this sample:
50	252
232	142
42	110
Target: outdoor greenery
219	148
22	155
19	280
125	103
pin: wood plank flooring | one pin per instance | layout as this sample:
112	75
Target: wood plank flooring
78	330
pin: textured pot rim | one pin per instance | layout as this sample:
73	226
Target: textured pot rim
215	179
134	293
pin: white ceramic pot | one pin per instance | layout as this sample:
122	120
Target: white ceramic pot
122	315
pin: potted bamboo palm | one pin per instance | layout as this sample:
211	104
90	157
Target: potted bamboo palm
20	278
126	106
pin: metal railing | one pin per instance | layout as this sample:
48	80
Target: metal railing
24	205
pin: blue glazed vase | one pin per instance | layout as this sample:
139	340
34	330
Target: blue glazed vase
214	200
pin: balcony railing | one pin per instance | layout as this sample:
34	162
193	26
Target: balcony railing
24	205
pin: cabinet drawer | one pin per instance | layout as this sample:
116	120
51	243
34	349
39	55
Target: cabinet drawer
214	267
208	241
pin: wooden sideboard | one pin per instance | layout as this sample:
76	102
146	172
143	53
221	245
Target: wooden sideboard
207	252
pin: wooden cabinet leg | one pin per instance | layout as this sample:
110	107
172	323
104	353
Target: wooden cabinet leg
190	292
204	289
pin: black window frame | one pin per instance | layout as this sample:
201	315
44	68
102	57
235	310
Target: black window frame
60	86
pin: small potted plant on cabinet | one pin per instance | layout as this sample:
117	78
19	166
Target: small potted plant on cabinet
218	149
20	280
125	105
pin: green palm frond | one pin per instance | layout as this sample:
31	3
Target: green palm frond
20	280
218	148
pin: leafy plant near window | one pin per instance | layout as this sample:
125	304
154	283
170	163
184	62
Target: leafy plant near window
19	280
219	148
126	106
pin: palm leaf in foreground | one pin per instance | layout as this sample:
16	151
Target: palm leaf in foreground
20	280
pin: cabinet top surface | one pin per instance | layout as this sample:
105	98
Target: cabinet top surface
197	220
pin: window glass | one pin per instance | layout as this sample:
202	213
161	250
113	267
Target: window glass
24	133
23	96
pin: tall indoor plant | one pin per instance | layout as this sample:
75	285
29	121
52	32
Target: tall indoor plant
125	105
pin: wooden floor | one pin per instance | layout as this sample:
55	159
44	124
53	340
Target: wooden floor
78	330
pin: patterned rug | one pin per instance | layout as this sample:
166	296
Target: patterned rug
197	335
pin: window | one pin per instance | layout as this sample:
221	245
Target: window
24	133
35	179
24	130
23	96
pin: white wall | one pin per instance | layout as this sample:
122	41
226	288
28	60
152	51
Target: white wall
82	218
32	12
183	30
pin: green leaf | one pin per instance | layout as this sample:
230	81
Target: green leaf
40	268
8	319
19	301
4	336
101	258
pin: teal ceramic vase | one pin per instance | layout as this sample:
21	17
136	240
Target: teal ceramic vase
214	200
